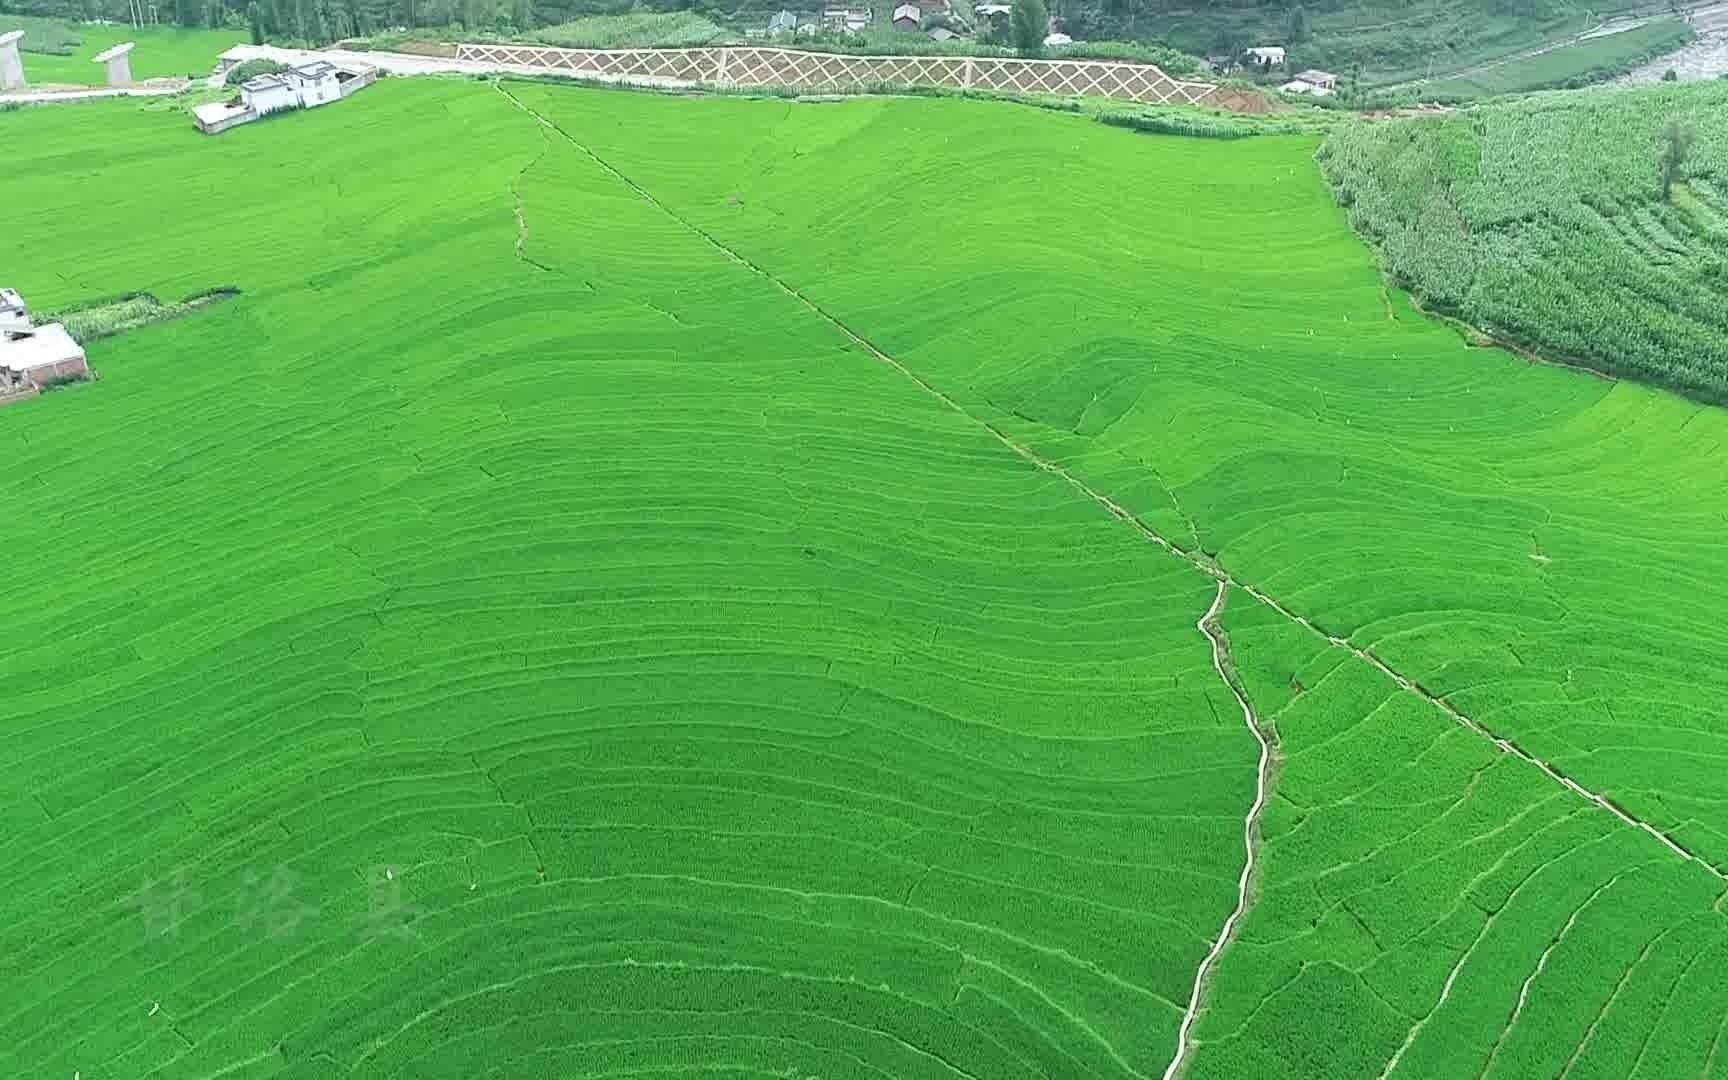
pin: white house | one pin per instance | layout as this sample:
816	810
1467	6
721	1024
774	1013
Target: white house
1057	39
265	94
39	356
314	83
1319	80
306	86
1264	56
32	357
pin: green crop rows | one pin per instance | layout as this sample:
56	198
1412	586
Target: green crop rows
522	634
1542	220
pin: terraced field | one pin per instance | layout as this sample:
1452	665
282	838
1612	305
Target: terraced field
593	606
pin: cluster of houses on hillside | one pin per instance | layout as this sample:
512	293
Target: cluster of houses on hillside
1265	59
304	86
33	358
909	17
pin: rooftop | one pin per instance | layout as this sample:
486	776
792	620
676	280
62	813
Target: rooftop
215	112
40	347
317	69
263	82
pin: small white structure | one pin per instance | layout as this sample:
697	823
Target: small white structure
1264	57
1057	39
218	116
942	33
33	357
992	11
13	314
307	86
265	94
1312	82
119	61
11	63
314	83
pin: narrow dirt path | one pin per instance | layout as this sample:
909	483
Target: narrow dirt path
1214	632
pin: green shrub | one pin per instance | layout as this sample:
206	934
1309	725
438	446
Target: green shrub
251	69
1028	23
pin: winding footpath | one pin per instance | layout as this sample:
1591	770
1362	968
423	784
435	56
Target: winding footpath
1209	626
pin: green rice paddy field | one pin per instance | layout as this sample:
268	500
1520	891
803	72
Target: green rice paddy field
524	635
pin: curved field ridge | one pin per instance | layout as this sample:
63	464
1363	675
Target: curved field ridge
619	596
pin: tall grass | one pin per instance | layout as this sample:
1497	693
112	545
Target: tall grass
637	30
1541	220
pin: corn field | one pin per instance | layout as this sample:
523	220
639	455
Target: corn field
1542	222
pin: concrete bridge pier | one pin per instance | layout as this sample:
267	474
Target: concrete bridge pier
11	64
119	61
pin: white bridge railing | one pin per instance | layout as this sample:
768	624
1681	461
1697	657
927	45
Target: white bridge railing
766	66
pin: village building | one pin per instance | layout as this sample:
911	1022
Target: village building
996	15
1313	82
11	62
1264	57
851	20
13	313
907	18
118	60
34	357
942	33
1057	39
307	86
783	22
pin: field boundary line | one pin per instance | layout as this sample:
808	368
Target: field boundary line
1199	561
1209	626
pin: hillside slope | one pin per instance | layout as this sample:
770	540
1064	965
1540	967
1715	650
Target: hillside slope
1542	221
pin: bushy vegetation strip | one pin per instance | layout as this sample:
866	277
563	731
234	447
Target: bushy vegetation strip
105	318
1544	222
